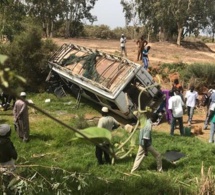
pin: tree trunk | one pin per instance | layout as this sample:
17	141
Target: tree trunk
180	29
148	37
67	34
51	30
47	29
44	30
213	37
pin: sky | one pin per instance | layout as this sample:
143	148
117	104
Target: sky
109	12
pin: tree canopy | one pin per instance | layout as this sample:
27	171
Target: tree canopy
51	15
172	17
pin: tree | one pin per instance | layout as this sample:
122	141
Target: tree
173	16
211	20
11	15
28	55
77	11
69	12
131	14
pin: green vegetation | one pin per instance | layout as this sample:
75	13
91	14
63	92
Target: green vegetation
201	75
27	56
53	162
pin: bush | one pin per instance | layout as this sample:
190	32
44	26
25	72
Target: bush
201	75
28	55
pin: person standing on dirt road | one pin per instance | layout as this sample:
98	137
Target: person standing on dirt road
176	108
145	57
145	144
191	100
21	118
141	42
109	123
122	45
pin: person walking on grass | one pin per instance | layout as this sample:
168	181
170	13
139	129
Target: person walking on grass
145	57
21	118
175	105
109	123
211	118
145	145
122	45
210	100
191	100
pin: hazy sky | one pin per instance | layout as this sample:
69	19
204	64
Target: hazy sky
109	12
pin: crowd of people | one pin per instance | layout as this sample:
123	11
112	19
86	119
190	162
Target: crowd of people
174	105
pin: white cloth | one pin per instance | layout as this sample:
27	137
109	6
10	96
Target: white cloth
191	98
176	105
122	41
212	107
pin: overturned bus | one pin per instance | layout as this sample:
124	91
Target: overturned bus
106	79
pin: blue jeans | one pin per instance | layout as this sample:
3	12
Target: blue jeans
145	62
172	126
211	139
190	112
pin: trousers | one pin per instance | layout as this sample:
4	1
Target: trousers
141	155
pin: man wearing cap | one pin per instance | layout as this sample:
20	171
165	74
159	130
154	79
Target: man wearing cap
7	150
107	122
21	118
211	94
122	45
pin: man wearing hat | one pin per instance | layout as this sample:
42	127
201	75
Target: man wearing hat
7	150
107	122
122	45
21	118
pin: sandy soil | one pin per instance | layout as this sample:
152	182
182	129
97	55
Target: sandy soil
161	52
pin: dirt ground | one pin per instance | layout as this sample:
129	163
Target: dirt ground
161	52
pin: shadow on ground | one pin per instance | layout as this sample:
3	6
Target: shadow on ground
196	46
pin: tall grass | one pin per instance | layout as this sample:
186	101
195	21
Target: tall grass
53	162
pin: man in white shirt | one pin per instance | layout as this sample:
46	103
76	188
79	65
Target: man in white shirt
191	99
176	108
122	45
